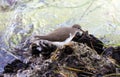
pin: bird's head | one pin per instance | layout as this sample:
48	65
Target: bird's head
76	26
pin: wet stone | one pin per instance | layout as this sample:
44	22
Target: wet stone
90	40
15	66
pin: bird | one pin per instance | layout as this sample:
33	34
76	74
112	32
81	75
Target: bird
60	34
57	38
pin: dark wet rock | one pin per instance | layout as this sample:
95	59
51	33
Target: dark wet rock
99	75
74	62
90	40
116	54
5	58
15	66
113	52
108	51
65	52
43	48
74	59
35	50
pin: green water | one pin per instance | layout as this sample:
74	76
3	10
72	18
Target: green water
99	17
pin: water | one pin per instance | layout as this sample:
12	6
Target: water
22	19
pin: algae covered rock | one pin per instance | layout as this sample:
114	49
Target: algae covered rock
72	60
